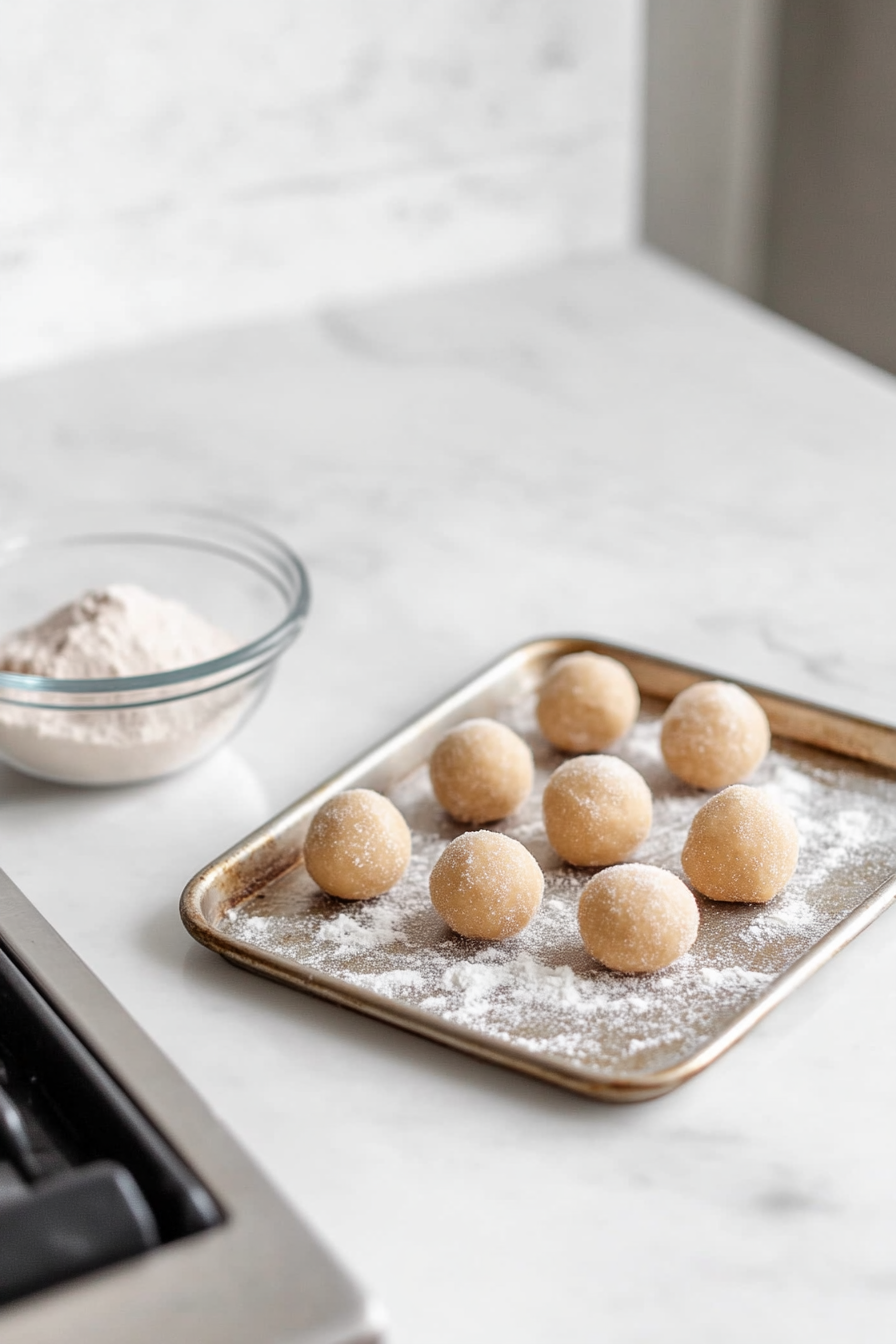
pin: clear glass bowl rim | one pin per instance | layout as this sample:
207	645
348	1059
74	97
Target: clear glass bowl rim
258	652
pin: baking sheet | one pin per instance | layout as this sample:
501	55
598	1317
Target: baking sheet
538	1001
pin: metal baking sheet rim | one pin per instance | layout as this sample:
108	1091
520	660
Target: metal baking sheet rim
262	857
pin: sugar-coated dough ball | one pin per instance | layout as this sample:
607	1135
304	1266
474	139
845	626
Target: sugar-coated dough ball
637	918
358	845
742	846
587	702
596	810
486	885
714	734
481	771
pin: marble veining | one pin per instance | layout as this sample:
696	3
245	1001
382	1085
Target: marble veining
169	166
612	447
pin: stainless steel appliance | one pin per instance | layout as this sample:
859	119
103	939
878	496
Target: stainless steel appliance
126	1210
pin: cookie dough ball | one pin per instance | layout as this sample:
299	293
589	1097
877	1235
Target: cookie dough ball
596	810
481	771
486	885
637	918
358	845
742	846
586	702
714	734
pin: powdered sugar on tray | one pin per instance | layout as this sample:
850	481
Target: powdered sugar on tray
541	992
349	935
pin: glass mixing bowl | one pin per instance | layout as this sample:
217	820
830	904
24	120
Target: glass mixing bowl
117	730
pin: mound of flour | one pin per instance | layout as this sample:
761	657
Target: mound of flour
119	631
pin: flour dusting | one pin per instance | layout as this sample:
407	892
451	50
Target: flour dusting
540	991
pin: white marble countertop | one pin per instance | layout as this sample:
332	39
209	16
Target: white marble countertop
612	448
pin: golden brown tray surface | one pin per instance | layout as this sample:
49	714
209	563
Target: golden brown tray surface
538	1003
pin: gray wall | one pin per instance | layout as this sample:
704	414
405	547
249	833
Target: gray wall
709	102
770	156
832	238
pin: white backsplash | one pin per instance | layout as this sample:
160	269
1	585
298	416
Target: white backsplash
178	164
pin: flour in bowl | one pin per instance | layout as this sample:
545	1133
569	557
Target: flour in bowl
119	631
